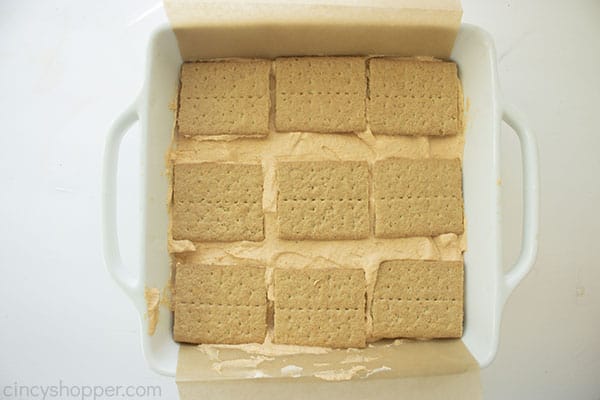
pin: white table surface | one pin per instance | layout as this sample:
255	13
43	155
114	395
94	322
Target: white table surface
67	68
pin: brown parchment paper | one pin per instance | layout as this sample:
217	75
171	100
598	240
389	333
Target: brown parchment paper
272	28
384	370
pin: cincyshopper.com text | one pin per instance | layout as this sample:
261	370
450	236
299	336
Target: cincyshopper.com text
82	392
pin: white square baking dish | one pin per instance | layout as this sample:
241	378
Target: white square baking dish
487	286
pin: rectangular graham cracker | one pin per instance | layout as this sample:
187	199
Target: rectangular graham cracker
220	304
418	299
320	307
320	94
410	97
417	197
323	200
217	202
224	98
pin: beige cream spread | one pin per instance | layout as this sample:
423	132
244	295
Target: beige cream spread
273	252
152	296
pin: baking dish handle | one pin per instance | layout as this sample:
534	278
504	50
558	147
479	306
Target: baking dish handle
530	233
112	254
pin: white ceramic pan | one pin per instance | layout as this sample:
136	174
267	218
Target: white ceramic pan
486	288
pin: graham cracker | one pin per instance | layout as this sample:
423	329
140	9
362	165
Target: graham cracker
323	200
220	304
418	299
217	202
410	97
320	94
320	307
224	98
417	197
